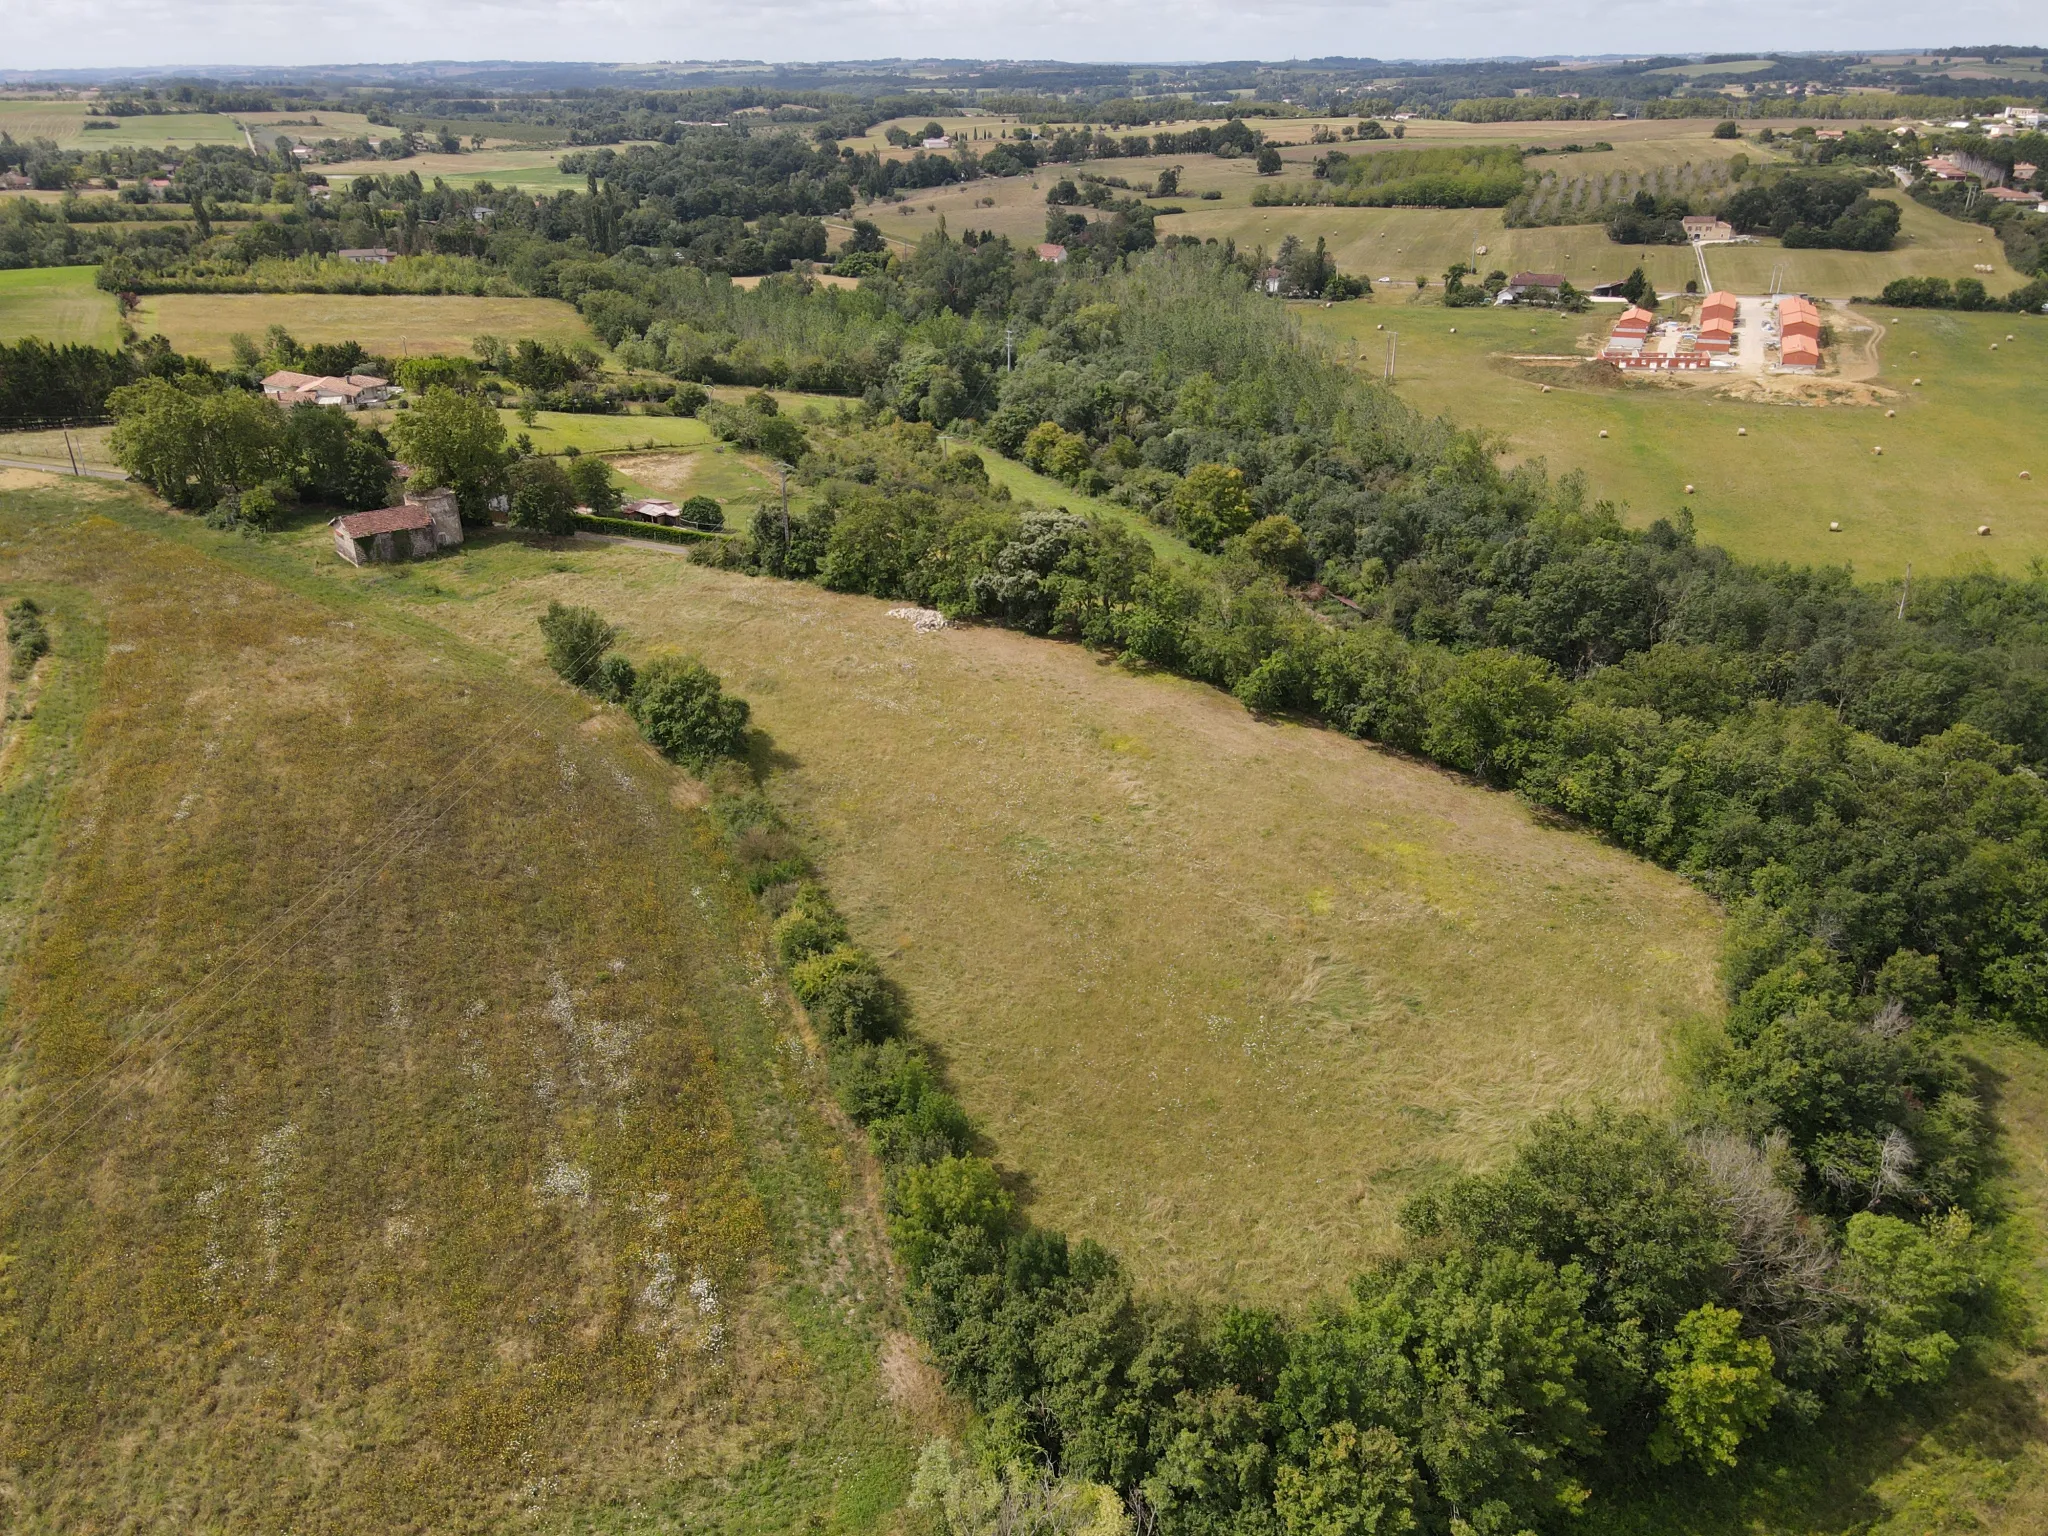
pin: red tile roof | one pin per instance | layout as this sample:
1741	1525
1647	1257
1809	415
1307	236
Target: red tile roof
363	525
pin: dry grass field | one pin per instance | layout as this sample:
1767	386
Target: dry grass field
1223	992
426	1154
392	324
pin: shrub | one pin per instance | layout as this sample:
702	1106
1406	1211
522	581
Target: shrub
27	639
614	680
847	995
260	506
686	715
810	927
939	1199
574	641
689	399
703	512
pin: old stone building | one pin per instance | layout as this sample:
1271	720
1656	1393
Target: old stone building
424	522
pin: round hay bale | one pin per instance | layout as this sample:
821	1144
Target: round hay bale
1983	530
1878	451
1834	527
1916	383
1742	431
1603	431
1888	415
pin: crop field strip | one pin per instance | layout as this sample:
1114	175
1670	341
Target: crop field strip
1158	944
548	1079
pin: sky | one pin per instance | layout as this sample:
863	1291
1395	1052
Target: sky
83	34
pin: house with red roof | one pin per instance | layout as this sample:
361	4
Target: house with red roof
424	522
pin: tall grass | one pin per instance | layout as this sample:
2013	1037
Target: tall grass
485	1188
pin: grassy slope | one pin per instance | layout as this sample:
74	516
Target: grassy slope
57	304
391	324
399	1232
1224	992
1951	459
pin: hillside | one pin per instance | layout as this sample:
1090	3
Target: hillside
1224	992
397	1135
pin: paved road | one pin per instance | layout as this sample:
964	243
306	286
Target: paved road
59	467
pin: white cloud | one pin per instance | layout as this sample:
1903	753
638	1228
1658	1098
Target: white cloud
127	33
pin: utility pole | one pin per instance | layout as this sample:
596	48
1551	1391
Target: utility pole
1904	589
70	450
782	471
1009	336
1393	343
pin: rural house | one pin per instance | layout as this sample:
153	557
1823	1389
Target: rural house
424	522
351	394
1706	228
368	255
1052	253
1537	285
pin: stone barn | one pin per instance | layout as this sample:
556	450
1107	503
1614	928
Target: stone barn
424	522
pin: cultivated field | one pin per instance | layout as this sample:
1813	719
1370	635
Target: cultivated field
391	324
425	1154
57	304
1951	462
1223	992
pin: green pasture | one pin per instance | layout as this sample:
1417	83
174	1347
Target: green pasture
57	304
1952	454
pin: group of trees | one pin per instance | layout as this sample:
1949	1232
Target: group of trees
1963	293
198	444
1854	785
1480	176
1836	212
